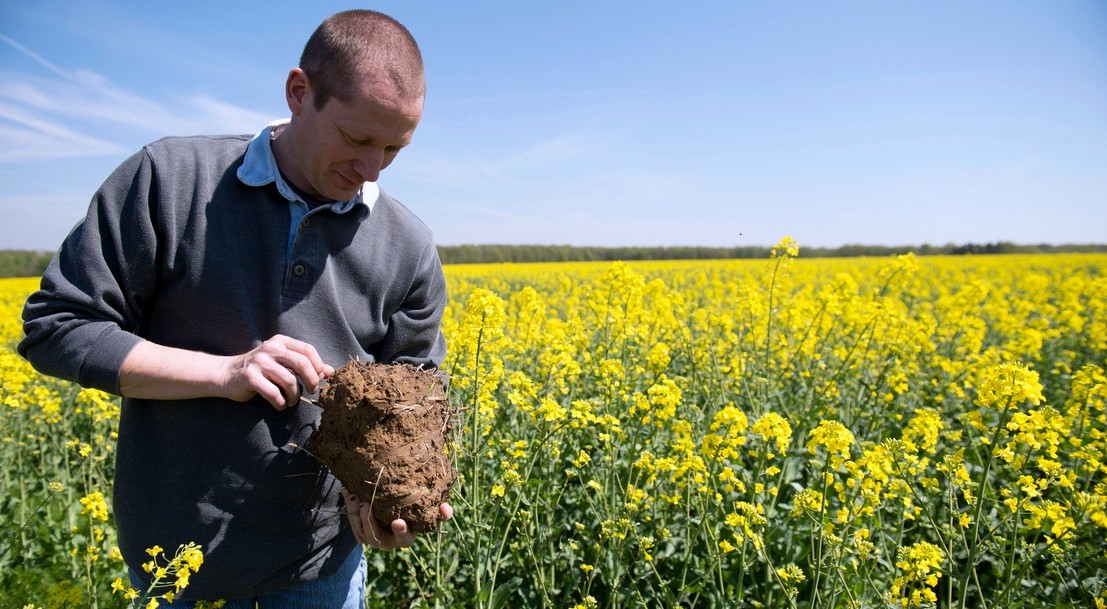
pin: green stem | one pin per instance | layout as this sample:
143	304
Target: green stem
971	550
475	496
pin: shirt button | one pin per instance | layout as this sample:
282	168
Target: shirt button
306	222
298	270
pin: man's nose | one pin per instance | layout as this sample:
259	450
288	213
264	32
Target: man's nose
368	166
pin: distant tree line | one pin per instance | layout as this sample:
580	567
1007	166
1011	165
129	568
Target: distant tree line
25	263
467	254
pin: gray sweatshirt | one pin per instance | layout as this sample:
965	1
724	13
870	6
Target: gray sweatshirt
178	250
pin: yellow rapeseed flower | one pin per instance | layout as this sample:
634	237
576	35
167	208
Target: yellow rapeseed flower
834	437
774	428
95	506
1009	386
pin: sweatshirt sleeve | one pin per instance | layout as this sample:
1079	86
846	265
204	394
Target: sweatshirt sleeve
414	331
80	325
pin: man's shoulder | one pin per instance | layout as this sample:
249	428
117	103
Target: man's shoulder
397	213
200	147
189	163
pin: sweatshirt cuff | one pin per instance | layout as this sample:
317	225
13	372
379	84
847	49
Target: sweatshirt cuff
100	369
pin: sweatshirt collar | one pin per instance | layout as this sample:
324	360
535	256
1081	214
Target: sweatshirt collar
260	168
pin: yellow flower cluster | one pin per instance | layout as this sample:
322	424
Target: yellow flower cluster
834	437
920	565
665	402
95	506
774	428
646	422
1009	386
169	576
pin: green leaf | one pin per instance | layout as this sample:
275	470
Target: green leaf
500	596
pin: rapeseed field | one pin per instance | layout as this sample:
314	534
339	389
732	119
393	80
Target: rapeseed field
895	432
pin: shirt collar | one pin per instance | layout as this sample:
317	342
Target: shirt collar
260	168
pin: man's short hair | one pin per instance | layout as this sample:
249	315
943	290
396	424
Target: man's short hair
358	44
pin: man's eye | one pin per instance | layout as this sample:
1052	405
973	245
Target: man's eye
351	141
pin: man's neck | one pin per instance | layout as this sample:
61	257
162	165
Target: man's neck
282	143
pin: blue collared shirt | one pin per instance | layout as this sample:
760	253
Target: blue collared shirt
260	168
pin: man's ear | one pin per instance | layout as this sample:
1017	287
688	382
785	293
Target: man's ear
297	91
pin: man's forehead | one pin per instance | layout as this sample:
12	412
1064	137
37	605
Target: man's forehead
346	111
382	97
367	117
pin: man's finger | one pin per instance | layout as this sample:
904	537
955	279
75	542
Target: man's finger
262	386
353	512
378	537
401	535
303	358
286	382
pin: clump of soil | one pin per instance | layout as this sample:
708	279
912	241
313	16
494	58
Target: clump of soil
383	435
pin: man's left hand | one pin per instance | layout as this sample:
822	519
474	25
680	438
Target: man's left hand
368	531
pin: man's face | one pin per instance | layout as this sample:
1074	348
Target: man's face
345	144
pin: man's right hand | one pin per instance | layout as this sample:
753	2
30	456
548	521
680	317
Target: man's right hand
274	370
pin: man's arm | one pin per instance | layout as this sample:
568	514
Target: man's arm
415	329
273	370
80	325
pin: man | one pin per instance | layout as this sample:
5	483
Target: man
214	279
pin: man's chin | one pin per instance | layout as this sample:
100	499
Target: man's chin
343	194
345	190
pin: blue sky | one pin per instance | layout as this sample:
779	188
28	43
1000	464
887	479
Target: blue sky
613	123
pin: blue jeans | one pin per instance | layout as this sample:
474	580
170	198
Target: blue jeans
343	590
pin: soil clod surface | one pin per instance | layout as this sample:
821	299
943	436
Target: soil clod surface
383	434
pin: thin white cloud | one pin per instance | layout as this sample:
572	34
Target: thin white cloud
471	222
59	114
25	136
35	56
219	116
461	171
517	167
560	148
